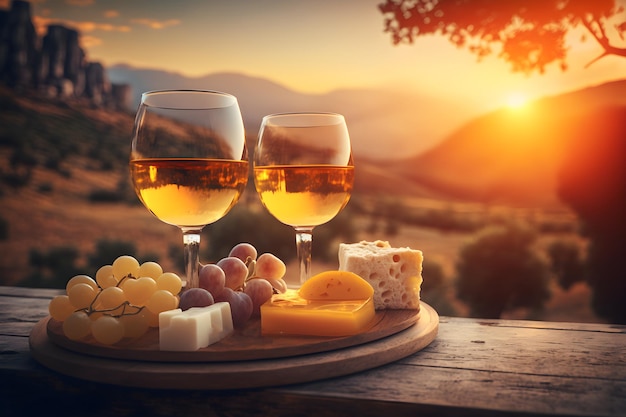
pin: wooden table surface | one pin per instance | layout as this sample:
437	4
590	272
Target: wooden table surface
473	368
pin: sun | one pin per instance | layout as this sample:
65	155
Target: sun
516	101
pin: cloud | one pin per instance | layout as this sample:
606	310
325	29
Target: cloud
41	24
156	24
89	41
111	13
80	3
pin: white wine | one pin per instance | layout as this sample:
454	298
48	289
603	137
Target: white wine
188	192
304	195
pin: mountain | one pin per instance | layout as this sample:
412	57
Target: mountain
382	123
511	155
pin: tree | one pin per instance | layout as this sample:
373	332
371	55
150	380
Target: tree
531	33
592	180
500	270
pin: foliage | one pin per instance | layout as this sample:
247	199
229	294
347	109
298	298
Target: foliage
49	138
531	34
434	277
4	229
258	227
107	250
568	263
52	269
501	270
593	182
436	288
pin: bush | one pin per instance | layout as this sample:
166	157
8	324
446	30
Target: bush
4	229
500	270
267	234
107	251
568	263
52	269
105	196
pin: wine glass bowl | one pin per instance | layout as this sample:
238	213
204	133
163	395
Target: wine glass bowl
304	173
188	161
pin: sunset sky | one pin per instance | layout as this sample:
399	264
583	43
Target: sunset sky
309	46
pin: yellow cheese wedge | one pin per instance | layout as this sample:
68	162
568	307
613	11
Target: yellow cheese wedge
336	285
290	313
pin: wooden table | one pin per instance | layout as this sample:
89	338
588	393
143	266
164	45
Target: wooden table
473	368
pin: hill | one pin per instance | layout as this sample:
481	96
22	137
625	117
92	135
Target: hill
382	123
511	155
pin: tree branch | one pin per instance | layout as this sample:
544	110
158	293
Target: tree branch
602	40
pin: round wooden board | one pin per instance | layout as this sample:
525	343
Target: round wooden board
235	374
244	344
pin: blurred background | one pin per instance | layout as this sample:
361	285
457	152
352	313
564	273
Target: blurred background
490	135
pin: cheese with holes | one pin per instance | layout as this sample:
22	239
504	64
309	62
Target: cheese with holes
195	328
394	273
290	314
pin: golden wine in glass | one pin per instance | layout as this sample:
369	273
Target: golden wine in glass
188	161
304	173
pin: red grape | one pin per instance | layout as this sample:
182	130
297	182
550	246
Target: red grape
279	284
270	266
235	271
259	291
195	297
243	251
212	278
240	305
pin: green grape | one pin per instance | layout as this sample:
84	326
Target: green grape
60	307
169	281
81	279
151	318
135	325
160	301
150	269
139	290
77	326
111	297
125	265
81	295
107	330
105	277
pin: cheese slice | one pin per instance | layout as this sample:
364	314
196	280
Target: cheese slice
336	285
290	313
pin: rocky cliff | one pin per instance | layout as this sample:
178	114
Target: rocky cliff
55	65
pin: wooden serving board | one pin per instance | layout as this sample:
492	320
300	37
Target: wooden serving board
244	344
266	361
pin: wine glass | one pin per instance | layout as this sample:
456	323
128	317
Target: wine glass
304	173
188	161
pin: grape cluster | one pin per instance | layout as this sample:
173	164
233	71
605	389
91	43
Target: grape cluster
123	301
242	279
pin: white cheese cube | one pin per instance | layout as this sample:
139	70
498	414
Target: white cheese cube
195	328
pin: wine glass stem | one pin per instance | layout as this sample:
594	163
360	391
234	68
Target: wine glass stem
304	238
191	241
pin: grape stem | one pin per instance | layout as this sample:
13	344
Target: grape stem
91	310
129	276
